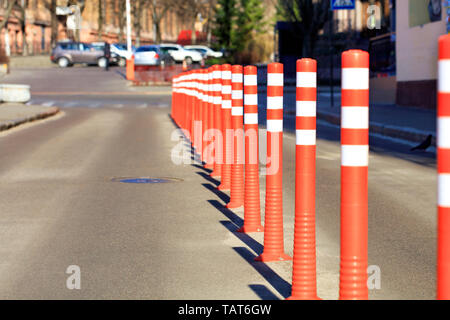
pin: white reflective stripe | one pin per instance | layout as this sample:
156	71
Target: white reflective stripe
444	75
217	74
444	190
305	137
226	104
236	77
251	99
217	100
306	79
355	78
226	89
237	111
306	108
250	80
250	118
355	117
237	94
355	155
274	102
443	132
275	125
274	79
211	99
226	75
216	87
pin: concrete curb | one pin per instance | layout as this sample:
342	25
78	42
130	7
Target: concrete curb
39	116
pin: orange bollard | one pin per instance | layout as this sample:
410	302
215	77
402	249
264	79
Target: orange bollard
354	173
174	97
195	110
204	109
209	159
130	68
252	208
226	128
273	227
218	137
304	285
443	168
237	119
197	125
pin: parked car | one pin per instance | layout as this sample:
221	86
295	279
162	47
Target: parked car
68	53
121	50
179	54
205	51
151	55
114	59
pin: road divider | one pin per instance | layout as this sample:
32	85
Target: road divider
233	108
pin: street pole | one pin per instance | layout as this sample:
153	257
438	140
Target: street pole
128	28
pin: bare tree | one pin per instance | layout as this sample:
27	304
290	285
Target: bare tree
19	13
159	9
190	10
121	19
81	5
7	13
309	16
138	8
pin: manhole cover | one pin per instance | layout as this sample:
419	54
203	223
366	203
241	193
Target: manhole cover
145	180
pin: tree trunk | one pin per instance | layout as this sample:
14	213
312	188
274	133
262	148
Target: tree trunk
54	24
100	19
194	33
7	14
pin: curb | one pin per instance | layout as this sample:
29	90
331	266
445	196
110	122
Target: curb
408	134
17	122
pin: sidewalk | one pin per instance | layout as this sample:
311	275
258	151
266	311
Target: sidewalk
13	115
406	123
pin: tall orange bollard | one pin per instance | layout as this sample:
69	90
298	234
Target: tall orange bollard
237	119
226	129
209	159
204	111
443	168
130	68
217	110
252	207
273	227
354	175
304	284
196	129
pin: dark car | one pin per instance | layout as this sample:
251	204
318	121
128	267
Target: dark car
68	53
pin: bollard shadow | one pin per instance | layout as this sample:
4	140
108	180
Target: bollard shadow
120	73
209	178
282	286
263	292
222	195
245	238
199	166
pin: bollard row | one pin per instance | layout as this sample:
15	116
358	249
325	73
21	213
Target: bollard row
217	109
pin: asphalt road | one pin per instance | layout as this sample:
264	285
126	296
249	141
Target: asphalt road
61	207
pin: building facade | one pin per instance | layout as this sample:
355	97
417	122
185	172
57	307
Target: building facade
38	25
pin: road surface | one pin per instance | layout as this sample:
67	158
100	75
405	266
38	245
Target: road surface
61	207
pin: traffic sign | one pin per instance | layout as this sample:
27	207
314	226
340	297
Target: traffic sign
342	4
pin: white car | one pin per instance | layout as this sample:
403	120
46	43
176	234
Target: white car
205	51
179	54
